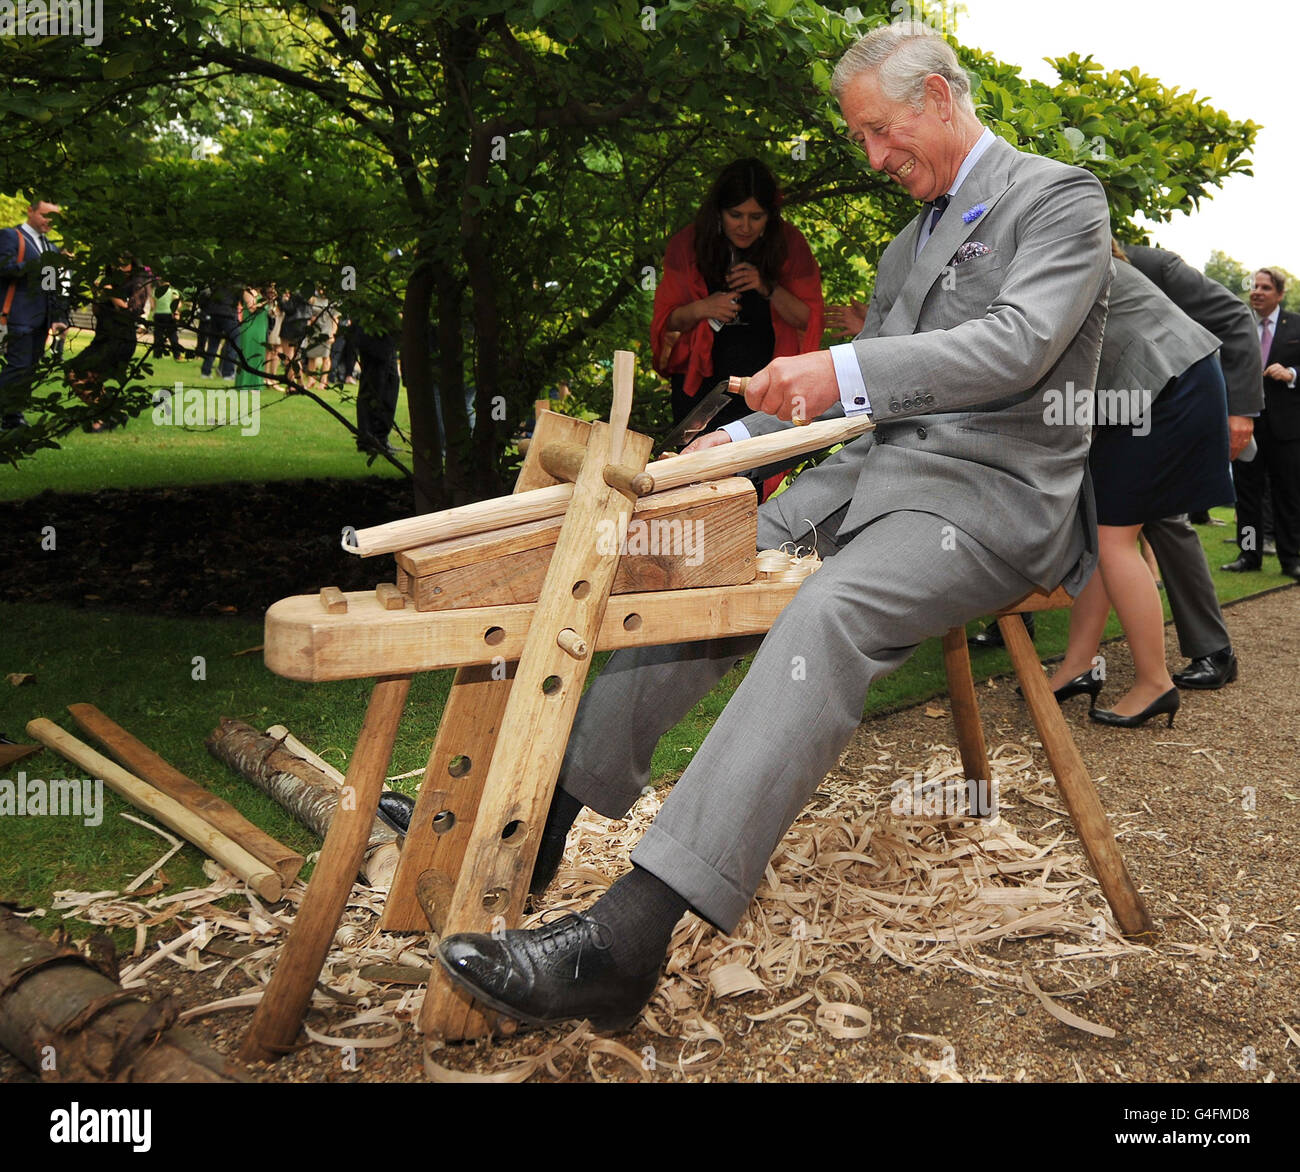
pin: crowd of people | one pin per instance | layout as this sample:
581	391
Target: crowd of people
244	334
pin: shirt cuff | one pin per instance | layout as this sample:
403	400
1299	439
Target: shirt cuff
853	391
738	431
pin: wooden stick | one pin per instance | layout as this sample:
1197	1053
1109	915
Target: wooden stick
728	459
965	706
221	816
620	409
166	809
1075	783
674	472
279	1014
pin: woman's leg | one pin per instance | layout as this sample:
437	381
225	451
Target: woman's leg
1137	602
1087	621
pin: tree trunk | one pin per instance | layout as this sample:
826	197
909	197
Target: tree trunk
302	789
66	1021
417	372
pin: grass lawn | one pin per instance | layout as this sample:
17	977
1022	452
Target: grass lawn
140	669
294	440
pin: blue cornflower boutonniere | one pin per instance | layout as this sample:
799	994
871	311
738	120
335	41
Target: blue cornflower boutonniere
974	214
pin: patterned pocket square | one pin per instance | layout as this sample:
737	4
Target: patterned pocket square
970	251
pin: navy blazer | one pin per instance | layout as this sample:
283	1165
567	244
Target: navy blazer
34	309
1282	403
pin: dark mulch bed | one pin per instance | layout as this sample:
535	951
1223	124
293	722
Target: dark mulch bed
201	550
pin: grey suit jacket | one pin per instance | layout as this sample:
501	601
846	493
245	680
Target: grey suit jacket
957	360
1209	304
1148	340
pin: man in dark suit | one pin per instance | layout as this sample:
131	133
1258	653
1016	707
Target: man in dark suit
32	306
968	494
1202	633
1277	435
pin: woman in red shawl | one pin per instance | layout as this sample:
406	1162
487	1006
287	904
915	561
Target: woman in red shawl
740	287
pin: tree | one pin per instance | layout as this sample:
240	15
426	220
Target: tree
1234	275
529	160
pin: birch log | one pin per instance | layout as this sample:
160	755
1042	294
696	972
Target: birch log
67	1022
308	793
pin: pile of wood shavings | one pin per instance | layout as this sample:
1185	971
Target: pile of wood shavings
851	881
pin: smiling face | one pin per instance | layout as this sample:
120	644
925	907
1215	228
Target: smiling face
921	150
41	216
1264	297
744	224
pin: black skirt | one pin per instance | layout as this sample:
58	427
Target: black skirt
1173	459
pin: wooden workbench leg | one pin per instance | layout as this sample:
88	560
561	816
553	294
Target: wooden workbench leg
449	795
279	1014
1075	783
965	707
538	717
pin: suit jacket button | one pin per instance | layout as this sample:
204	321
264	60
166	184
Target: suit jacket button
920	433
929	400
893	405
907	404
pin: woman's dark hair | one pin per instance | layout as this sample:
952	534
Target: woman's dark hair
740	181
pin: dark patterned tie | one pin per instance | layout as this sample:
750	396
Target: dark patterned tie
940	206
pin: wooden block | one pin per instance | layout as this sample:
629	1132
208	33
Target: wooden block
405	583
390	597
701	535
331	598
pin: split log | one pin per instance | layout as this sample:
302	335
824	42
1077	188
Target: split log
260	877
309	794
66	1021
145	763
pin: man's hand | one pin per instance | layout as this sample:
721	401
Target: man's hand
1283	374
710	439
799	388
1240	429
846	321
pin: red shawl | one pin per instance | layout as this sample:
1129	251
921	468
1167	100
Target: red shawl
691	351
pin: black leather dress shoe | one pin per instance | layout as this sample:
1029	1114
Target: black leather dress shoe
1208	672
1166	702
1243	565
991	636
395	810
1291	570
560	972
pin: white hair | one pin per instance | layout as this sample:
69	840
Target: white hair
902	55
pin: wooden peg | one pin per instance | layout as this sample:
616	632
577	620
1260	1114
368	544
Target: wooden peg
390	597
563	460
572	643
621	408
331	598
628	481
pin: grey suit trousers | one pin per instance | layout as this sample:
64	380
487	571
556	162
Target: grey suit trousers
899	580
1186	575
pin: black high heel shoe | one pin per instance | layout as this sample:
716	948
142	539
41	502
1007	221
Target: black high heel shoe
1168	702
1087	682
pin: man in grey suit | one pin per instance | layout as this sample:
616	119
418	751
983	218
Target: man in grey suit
1202	633
968	495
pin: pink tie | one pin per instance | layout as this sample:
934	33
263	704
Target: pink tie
1265	343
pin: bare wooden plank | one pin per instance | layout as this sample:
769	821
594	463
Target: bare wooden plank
304	644
535	726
